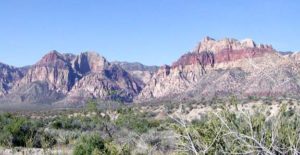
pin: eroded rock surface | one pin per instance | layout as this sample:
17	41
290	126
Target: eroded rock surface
224	67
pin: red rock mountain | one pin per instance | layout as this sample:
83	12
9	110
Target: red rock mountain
69	78
213	68
101	79
226	67
54	69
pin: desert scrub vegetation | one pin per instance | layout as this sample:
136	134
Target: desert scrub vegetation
23	132
239	132
136	121
225	129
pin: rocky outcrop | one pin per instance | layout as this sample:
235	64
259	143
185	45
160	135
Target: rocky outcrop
73	79
231	49
215	67
112	83
8	77
55	69
89	62
203	59
295	56
101	80
209	44
225	67
170	80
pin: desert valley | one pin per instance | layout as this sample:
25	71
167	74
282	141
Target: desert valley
224	96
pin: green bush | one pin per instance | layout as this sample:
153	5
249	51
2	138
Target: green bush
17	131
47	140
136	121
89	144
64	122
91	106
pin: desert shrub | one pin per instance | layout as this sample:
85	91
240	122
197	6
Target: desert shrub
234	101
169	107
22	132
253	98
47	140
91	106
17	131
66	137
64	122
95	145
236	132
136	121
6	139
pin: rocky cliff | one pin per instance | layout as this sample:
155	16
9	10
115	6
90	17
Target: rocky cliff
102	80
68	78
213	68
8	77
55	69
227	66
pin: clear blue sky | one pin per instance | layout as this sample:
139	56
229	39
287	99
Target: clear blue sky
148	31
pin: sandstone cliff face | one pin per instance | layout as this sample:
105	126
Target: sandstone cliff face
55	69
215	67
210	44
168	81
112	83
8	77
70	78
231	49
225	67
102	80
89	62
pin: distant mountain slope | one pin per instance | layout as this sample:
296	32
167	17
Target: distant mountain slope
138	70
55	69
135	66
68	78
213	68
8	76
226	67
102	80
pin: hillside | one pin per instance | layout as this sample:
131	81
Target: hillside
214	68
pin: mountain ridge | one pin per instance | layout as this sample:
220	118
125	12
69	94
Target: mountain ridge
213	68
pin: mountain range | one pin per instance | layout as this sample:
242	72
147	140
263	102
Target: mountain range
213	68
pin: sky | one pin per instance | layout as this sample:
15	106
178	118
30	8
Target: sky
153	32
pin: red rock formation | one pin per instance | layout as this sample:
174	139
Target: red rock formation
203	58
231	49
55	69
187	73
89	62
87	75
227	55
210	51
54	59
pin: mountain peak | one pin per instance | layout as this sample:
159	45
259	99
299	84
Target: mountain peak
52	53
90	62
52	58
207	38
215	46
248	43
